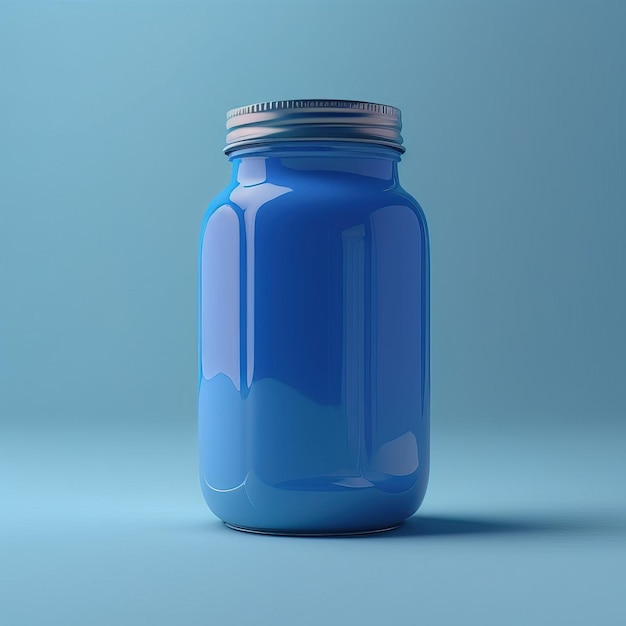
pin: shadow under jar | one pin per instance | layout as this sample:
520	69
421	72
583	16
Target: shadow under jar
314	325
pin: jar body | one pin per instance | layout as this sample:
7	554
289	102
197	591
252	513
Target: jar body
314	343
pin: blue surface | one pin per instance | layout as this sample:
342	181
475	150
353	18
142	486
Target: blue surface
111	124
314	364
515	529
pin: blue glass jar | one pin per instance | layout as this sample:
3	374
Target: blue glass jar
314	325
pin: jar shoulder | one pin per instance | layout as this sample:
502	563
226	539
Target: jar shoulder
218	201
272	206
271	196
412	203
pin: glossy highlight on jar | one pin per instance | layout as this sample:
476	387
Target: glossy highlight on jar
313	412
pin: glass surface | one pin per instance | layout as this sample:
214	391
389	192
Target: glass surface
314	342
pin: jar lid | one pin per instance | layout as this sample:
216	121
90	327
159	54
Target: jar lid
313	120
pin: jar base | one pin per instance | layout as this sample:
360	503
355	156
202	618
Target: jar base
295	533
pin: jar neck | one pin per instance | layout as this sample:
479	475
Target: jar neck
372	163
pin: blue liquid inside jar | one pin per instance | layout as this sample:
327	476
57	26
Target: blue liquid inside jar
314	341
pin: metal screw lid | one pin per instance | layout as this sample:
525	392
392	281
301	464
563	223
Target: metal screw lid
313	120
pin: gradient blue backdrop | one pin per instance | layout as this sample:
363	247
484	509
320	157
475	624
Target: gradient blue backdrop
111	129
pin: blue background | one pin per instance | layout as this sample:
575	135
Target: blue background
111	128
